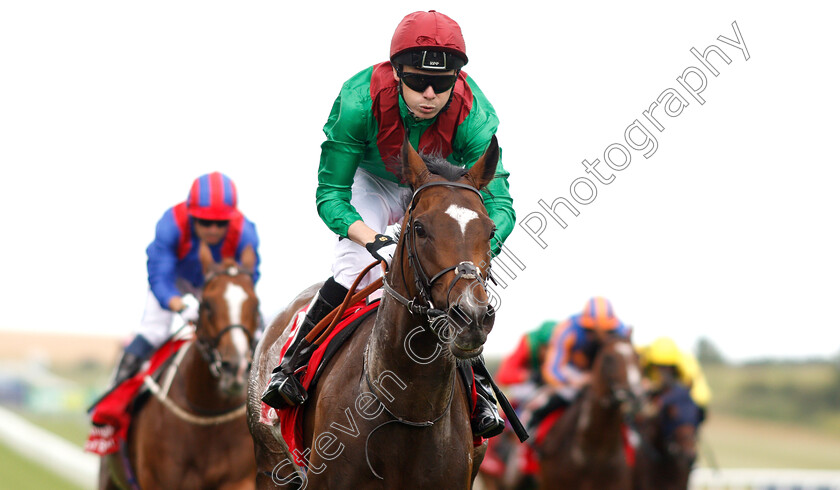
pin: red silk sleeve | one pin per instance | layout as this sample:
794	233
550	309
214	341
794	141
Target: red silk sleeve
515	368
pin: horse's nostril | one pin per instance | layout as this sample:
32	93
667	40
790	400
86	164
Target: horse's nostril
228	367
468	315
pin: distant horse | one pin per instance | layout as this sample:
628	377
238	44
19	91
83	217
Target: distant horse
669	442
192	433
585	449
389	410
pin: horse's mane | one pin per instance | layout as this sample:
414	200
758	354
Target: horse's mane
439	165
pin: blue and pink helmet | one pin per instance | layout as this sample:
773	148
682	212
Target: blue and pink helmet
212	197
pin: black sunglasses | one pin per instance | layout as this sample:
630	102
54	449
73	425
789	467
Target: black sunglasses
419	81
221	223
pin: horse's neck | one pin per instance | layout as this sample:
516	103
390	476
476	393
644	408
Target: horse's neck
199	388
419	390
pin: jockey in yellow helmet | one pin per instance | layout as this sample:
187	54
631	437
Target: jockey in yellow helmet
665	364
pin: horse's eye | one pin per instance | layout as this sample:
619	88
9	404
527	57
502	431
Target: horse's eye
492	233
419	230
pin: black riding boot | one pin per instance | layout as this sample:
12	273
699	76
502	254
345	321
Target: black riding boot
129	366
132	359
486	421
554	402
285	389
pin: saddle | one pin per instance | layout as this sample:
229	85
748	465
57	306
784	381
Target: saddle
112	416
291	418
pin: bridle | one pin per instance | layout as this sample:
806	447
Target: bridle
208	347
422	305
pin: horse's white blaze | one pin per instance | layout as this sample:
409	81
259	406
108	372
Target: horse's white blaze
462	215
634	376
235	296
583	421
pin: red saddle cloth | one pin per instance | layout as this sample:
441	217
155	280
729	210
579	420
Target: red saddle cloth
112	415
530	465
291	418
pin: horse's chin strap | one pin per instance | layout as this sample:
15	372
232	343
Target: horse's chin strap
208	351
464	270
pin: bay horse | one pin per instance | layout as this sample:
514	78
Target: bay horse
389	410
585	449
669	442
192	433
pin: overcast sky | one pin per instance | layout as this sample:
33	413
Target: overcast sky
109	110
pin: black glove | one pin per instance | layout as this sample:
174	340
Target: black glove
382	248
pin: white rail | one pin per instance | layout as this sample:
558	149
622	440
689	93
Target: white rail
754	479
48	450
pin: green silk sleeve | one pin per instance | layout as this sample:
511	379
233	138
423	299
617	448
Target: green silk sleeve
347	136
474	136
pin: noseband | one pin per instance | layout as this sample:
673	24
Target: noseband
208	347
463	270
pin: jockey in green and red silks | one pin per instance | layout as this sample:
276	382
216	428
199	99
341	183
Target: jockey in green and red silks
176	277
421	91
365	131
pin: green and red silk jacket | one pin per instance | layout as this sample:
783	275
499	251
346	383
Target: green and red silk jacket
366	128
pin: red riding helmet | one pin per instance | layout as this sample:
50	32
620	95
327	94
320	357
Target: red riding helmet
429	41
213	197
598	314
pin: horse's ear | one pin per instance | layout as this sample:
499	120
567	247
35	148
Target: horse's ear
484	169
205	256
414	168
248	259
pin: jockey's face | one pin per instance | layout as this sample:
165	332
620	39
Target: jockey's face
211	232
426	104
661	376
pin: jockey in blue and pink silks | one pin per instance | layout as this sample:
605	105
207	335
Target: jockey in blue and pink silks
175	273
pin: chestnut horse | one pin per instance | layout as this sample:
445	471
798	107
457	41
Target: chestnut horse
585	448
389	410
669	442
192	432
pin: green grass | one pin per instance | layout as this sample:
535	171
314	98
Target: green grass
74	427
19	473
806	394
734	442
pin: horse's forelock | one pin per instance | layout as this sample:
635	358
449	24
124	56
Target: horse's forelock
440	166
437	165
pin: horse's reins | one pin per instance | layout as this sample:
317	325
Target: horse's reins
162	392
464	270
207	348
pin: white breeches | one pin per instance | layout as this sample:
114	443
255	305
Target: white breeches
380	203
157	321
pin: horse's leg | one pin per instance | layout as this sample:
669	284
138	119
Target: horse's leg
273	471
477	457
106	482
274	467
